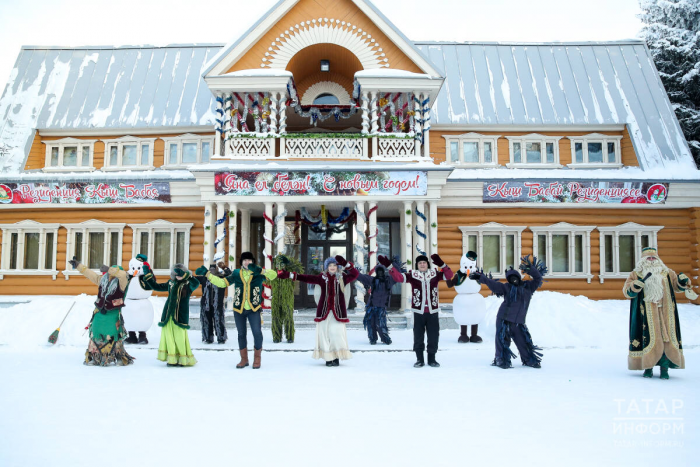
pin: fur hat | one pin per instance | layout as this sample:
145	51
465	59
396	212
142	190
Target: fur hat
178	270
420	258
329	261
247	255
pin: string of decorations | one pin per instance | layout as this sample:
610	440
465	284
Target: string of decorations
268	239
371	236
280	235
316	113
220	255
324	222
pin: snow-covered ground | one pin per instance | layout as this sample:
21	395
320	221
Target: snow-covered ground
583	407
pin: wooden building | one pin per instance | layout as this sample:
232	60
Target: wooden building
324	130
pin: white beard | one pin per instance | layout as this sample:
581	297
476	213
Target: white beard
654	286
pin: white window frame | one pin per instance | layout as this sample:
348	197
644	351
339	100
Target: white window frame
21	228
493	228
571	230
125	141
472	138
595	138
625	229
61	144
87	227
182	139
533	138
152	228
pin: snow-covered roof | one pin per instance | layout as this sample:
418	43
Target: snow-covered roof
102	87
560	84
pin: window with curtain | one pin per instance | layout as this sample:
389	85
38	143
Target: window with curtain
627	253
31	250
28	246
534	149
129	151
621	247
471	149
161	253
69	153
596	149
497	246
187	149
48	251
143	243
492	254
96	250
565	249
114	249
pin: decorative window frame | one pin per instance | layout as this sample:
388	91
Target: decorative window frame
61	144
628	228
533	138
572	230
472	138
595	138
21	228
87	227
180	140
492	228
161	225
124	141
325	87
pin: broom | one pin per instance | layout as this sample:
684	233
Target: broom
54	335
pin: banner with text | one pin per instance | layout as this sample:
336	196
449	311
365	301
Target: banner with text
567	191
330	183
85	193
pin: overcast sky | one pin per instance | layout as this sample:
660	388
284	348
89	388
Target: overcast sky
161	22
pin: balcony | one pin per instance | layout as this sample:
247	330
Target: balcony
307	146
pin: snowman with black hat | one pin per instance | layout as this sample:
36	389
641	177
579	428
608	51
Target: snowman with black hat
468	307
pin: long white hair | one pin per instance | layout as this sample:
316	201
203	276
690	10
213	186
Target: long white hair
654	287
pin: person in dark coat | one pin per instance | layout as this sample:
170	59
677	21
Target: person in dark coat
211	308
510	321
378	288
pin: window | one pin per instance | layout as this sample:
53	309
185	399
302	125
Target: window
595	151
187	149
565	249
128	152
163	242
69	154
534	151
472	149
94	243
326	99
497	246
621	248
28	248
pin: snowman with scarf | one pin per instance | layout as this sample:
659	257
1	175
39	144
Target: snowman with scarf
137	311
468	307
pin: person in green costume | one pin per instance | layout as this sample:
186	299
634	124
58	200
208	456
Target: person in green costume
106	327
247	303
174	345
282	302
655	331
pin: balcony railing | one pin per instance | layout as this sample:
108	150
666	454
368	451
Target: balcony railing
318	146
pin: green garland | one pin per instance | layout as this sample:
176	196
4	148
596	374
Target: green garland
321	135
282	302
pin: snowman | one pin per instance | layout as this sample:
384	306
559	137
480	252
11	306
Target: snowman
469	307
137	311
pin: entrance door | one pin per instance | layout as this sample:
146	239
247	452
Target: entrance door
315	248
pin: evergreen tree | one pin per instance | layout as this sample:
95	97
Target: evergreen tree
672	33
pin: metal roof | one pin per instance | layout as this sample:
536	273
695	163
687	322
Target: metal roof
487	84
560	84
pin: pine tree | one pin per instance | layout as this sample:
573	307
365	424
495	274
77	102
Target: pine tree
672	33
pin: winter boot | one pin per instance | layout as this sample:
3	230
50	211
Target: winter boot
463	337
532	364
475	338
501	363
142	338
222	341
664	372
210	340
432	362
648	373
257	355
132	339
244	359
420	363
290	341
329	363
336	362
372	342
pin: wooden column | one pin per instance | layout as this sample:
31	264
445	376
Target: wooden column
219	239
433	219
232	259
360	244
245	229
426	128
281	225
408	247
268	245
208	234
416	118
373	236
420	226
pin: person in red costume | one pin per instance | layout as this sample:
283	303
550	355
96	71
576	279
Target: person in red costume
331	312
425	302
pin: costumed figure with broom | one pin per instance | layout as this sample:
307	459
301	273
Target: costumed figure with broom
510	321
333	295
248	299
174	345
107	334
282	302
379	295
654	329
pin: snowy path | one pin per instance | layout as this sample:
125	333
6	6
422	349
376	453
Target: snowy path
373	410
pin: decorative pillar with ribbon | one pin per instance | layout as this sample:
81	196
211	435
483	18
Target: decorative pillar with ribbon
360	250
373	232
280	226
219	243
